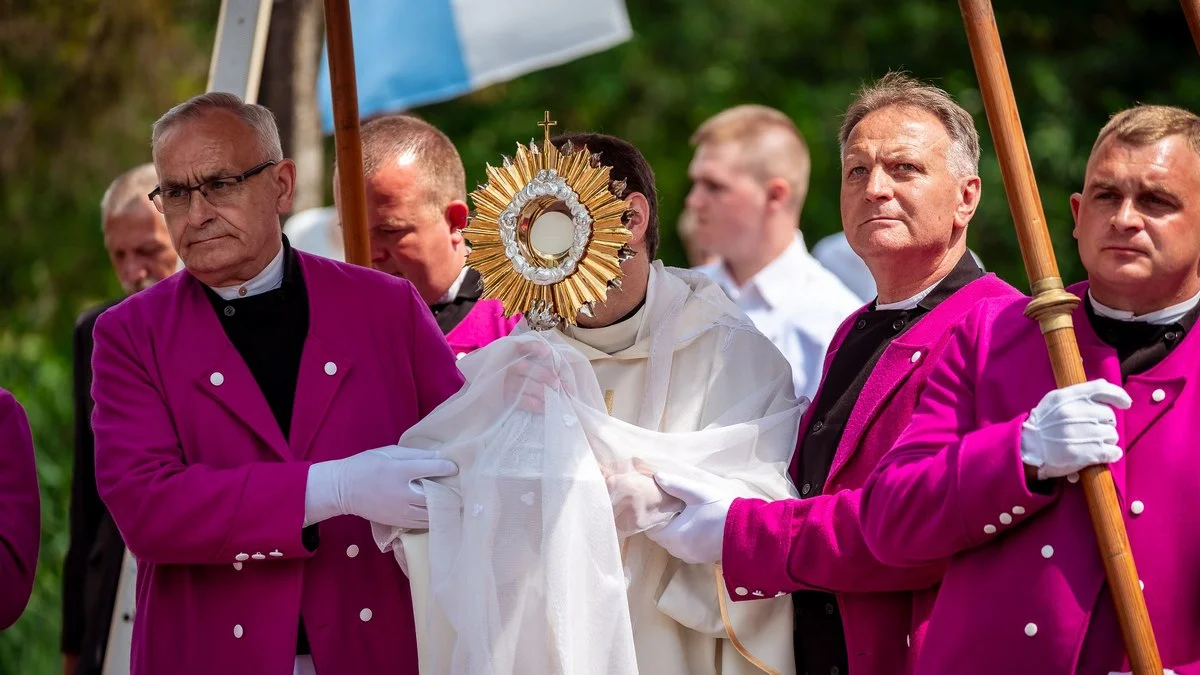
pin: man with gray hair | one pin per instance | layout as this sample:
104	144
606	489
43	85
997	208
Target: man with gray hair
236	407
139	247
910	185
416	212
986	475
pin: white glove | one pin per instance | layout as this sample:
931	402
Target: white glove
638	502
379	485
1166	671
1073	428
696	535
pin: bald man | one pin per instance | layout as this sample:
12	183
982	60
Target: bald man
416	212
749	180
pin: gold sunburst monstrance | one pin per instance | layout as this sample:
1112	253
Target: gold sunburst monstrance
548	235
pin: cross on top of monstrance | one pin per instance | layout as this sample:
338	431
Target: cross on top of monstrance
545	124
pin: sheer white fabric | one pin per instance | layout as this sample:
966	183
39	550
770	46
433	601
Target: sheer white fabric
524	560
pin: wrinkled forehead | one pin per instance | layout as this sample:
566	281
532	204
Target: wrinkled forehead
897	129
213	145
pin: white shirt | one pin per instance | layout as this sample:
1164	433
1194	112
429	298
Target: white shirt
798	305
1162	317
909	303
270	278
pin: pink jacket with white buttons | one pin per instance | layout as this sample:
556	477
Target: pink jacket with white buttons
209	495
1025	581
817	543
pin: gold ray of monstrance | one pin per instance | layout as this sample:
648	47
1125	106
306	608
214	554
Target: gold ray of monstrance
548	235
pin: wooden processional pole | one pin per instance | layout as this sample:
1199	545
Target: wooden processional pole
1051	307
352	197
1191	9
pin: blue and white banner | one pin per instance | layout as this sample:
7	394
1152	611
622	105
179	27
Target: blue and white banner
409	53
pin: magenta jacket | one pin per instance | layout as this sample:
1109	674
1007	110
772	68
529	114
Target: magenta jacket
817	543
1025	584
210	497
20	511
483	325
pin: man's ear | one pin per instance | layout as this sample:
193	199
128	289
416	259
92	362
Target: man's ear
285	178
456	215
638	220
778	192
1076	200
971	190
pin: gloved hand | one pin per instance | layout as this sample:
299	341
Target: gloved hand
696	535
379	485
638	503
1073	428
1166	671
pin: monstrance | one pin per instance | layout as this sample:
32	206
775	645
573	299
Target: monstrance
548	235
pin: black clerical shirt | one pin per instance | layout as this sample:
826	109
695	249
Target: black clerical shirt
269	330
449	314
820	641
1140	346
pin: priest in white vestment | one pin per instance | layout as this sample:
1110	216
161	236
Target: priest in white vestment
672	355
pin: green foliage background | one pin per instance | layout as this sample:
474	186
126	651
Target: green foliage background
81	82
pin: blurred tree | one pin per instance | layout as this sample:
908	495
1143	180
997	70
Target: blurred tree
81	82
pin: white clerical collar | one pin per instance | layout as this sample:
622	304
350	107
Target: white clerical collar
1161	317
909	303
616	337
270	278
610	339
455	287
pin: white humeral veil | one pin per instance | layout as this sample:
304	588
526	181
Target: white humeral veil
524	570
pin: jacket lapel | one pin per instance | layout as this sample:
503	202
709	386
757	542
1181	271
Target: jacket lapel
891	371
839	338
1154	392
322	372
218	369
902	358
1100	361
323	365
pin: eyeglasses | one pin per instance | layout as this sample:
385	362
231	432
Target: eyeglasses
218	191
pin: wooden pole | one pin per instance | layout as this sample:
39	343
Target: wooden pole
1191	9
1051	307
352	197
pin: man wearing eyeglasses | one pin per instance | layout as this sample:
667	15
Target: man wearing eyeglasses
236	405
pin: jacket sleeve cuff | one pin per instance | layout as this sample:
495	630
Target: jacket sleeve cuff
272	509
992	492
756	548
